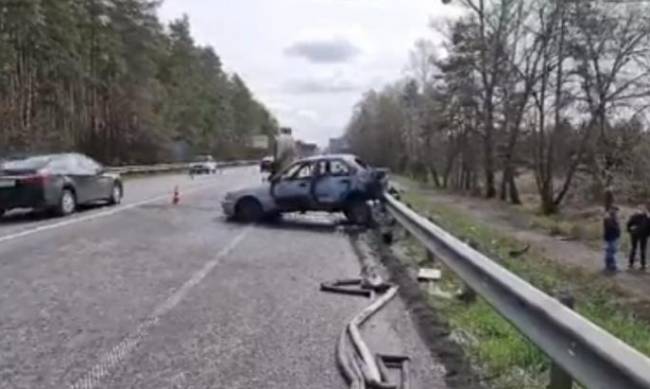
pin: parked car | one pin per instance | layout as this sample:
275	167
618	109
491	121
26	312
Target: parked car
203	164
331	183
57	182
266	164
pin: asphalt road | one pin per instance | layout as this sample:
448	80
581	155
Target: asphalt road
150	295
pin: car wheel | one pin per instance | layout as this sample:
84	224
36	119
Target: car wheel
2	212
358	212
116	195
67	203
249	210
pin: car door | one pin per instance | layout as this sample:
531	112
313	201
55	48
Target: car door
70	167
292	190
334	183
102	185
85	177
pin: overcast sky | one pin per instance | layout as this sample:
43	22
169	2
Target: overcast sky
310	61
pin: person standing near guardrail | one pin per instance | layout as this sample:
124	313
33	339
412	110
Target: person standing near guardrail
611	236
638	226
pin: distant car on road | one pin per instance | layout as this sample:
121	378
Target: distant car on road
203	164
56	182
331	183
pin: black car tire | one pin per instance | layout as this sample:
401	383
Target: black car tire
116	195
249	210
2	212
67	203
358	212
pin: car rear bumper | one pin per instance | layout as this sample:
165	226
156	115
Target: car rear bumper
11	198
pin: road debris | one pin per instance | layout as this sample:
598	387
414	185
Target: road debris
358	365
429	274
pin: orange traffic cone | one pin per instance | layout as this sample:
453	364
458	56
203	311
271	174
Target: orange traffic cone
177	198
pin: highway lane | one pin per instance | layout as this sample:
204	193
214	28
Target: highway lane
157	296
137	191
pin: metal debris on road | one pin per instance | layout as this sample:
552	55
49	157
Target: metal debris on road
357	364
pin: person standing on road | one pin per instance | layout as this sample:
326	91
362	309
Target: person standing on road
284	151
611	236
638	227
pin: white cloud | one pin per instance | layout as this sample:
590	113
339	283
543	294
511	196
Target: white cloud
339	49
324	51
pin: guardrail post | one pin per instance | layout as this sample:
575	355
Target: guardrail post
560	379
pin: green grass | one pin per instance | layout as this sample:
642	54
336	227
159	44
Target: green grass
500	351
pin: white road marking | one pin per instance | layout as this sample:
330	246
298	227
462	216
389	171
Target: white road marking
121	351
94	216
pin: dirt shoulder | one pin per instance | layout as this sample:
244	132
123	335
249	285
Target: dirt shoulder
517	223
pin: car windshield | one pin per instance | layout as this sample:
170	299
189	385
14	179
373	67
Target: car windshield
29	163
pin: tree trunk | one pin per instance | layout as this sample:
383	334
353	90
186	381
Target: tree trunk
514	192
509	189
503	192
490	189
435	176
488	150
549	206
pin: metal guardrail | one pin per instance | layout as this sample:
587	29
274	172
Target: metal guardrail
168	167
588	353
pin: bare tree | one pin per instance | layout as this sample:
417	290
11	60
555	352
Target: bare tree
611	48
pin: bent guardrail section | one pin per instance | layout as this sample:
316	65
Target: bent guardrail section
594	357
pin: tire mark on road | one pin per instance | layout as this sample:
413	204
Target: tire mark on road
121	351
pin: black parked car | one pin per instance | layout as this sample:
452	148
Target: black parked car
56	182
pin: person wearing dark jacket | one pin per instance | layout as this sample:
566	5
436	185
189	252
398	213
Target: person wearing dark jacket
611	236
638	226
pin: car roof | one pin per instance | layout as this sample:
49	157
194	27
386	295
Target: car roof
346	157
